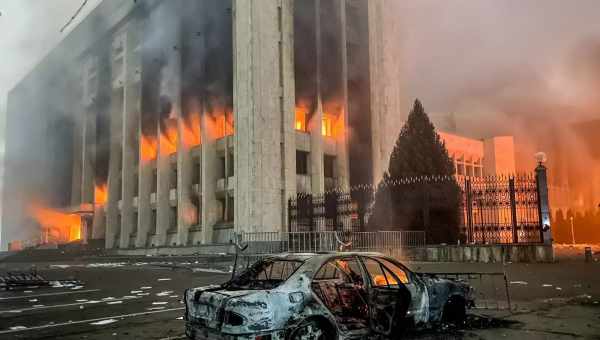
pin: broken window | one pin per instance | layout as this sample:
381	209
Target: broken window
399	272
326	124
301	162
300	124
265	274
230	165
339	284
196	170
329	166
381	276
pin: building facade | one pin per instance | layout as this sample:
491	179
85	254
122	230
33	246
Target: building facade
481	157
181	122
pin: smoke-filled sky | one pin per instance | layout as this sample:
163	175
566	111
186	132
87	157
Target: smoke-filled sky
454	51
460	53
492	63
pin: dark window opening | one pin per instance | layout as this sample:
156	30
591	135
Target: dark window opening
329	166
230	209
266	274
174	178
230	165
301	162
196	170
221	169
173	218
154	180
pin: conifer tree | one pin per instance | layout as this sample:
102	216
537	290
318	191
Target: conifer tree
418	204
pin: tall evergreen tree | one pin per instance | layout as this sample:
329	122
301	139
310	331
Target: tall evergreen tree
418	203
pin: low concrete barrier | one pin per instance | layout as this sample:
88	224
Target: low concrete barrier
211	249
492	253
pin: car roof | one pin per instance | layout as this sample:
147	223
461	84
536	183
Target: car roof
321	255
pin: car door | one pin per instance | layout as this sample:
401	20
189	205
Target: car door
340	285
388	298
419	307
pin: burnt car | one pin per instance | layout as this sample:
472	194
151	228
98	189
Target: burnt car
324	296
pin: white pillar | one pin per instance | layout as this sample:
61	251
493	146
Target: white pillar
262	99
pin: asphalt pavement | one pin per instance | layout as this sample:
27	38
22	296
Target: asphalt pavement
140	300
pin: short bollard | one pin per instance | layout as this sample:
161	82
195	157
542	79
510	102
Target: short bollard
588	254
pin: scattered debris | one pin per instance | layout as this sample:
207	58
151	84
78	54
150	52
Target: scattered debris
31	279
518	283
546	285
165	293
103	322
210	270
164	279
159	303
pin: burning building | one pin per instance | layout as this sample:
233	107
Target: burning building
181	122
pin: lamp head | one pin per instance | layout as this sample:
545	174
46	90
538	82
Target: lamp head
541	157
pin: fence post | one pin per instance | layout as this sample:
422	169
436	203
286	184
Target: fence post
541	180
513	209
469	211
289	213
311	212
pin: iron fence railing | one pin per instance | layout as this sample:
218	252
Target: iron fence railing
390	242
493	209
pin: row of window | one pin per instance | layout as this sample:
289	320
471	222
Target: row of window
301	123
302	164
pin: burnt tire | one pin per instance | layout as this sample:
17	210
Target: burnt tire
455	312
311	329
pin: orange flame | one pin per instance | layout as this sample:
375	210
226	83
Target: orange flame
300	121
191	131
100	194
147	148
224	124
59	226
168	138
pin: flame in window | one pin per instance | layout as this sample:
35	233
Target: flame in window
300	120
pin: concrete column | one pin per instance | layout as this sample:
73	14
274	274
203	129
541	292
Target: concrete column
131	117
316	120
170	89
342	160
261	108
88	155
209	176
163	206
288	147
79	117
385	74
144	205
114	168
317	172
186	210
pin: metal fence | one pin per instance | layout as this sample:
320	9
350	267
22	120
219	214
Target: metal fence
493	209
390	242
501	209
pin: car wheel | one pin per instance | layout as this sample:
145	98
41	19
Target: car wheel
310	330
455	312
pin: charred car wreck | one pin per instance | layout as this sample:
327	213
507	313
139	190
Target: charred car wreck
324	296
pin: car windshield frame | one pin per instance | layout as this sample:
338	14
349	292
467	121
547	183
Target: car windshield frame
249	278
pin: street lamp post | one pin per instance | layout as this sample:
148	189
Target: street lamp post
572	231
